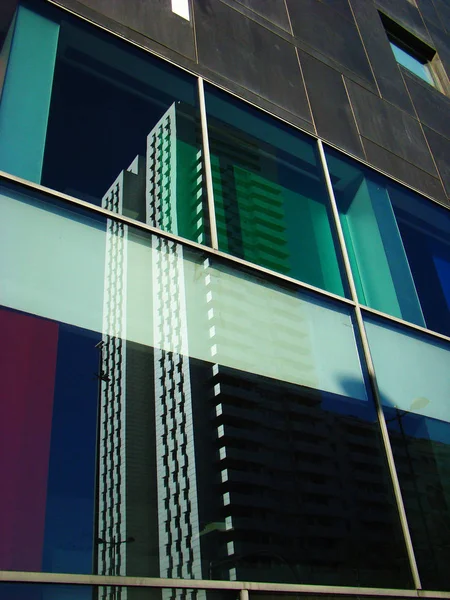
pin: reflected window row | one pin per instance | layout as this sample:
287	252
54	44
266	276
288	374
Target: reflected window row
168	414
114	126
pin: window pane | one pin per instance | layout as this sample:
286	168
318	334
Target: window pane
425	231
172	416
105	123
377	255
412	64
413	375
271	201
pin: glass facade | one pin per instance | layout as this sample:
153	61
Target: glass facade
216	411
174	412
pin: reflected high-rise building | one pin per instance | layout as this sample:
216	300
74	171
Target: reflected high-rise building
151	400
220	451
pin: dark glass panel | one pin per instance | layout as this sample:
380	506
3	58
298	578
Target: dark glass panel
271	201
172	416
412	373
425	230
108	124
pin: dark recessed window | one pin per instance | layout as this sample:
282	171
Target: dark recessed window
412	63
412	53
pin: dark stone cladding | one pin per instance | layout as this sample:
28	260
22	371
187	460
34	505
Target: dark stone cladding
323	65
7	8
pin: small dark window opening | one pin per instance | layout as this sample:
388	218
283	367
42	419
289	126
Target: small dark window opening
414	54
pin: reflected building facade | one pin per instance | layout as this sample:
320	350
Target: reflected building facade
211	471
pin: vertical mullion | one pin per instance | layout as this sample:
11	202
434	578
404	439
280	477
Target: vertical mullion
207	166
371	373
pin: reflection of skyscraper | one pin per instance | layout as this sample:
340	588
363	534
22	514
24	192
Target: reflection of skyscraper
221	453
249	203
149	190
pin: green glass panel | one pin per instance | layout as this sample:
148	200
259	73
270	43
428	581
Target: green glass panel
270	198
379	264
25	105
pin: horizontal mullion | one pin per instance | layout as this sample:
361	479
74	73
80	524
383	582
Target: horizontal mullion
206	584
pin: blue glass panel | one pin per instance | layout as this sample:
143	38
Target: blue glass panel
25	104
412	64
425	230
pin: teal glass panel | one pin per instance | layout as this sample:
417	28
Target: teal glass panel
105	123
270	198
25	103
412	64
412	372
425	231
379	264
171	415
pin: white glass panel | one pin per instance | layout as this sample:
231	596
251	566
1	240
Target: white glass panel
413	372
52	266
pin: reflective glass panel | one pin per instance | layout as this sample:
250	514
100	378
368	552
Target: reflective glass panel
413	377
374	243
271	201
105	123
425	231
169	415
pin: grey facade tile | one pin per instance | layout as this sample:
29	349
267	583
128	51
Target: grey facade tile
381	57
443	10
273	10
406	15
390	128
7	8
429	13
405	171
153	19
433	108
235	47
440	147
334	36
330	105
341	6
